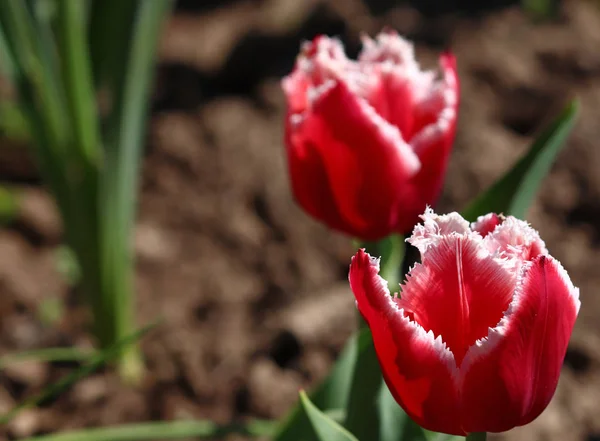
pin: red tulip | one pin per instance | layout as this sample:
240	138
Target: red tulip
368	141
477	337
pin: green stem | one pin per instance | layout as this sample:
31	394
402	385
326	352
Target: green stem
364	401
392	252
391	249
476	436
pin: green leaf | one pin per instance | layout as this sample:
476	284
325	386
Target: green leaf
392	250
109	49
164	430
94	363
9	205
332	394
46	355
514	192
395	424
67	265
124	135
362	412
13	122
433	436
77	76
324	428
372	413
541	9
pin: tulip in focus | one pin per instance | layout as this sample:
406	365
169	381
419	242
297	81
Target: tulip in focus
368	140
477	337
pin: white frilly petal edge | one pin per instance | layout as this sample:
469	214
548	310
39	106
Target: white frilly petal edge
509	230
419	333
435	227
484	346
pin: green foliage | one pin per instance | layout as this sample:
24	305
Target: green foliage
355	385
94	362
541	9
372	412
513	193
331	395
199	429
9	205
62	55
323	427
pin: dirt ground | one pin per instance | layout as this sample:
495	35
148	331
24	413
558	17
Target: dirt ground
253	292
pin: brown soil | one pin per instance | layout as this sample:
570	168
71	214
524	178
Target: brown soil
253	292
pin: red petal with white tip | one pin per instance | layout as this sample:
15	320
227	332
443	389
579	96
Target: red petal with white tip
417	367
510	377
484	225
362	155
458	291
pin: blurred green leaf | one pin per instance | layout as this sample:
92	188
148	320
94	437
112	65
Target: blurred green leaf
395	424
109	50
13	122
46	355
50	311
362	411
123	141
67	265
541	9
9	205
514	192
97	360
433	436
324	428
391	249
7	63
331	394
372	413
164	430
77	76
41	95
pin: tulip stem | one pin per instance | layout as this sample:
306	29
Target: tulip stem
391	249
476	436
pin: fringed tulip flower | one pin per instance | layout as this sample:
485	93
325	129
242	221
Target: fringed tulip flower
368	140
476	339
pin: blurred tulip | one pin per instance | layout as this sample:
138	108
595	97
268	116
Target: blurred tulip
477	337
368	141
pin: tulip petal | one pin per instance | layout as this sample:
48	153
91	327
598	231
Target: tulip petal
309	180
366	159
484	225
434	227
458	291
510	377
417	367
295	86
436	111
393	99
515	239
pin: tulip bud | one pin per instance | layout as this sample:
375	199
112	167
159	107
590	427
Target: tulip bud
477	337
368	140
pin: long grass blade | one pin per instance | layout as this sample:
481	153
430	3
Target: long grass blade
47	355
78	77
124	136
165	431
95	362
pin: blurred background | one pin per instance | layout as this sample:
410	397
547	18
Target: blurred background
253	293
